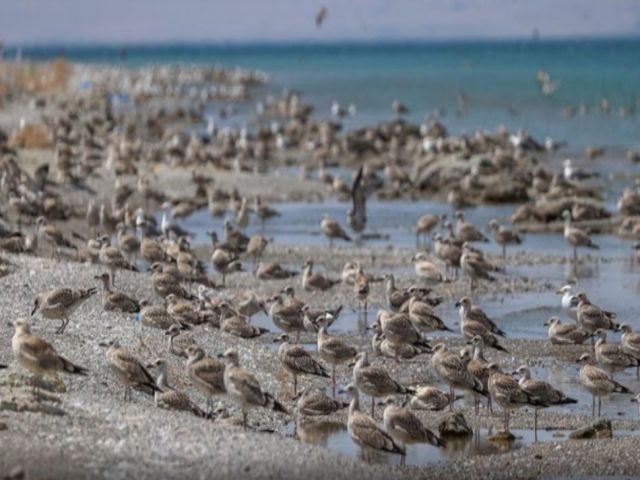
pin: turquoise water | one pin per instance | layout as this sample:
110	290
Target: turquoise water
497	79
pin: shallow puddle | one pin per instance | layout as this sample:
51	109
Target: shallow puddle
335	437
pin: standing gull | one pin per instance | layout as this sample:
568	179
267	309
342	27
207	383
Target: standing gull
452	371
375	381
364	430
244	388
508	393
206	373
60	303
597	382
576	237
543	391
504	236
332	230
630	343
333	350
405	427
297	361
129	370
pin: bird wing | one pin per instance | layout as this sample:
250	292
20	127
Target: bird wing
246	384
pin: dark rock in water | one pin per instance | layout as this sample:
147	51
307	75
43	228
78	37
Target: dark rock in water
502	436
599	429
455	425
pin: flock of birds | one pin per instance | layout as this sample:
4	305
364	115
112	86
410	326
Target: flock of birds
123	238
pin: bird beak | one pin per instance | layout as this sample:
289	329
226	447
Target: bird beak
150	365
381	403
33	310
167	332
104	344
341	392
546	324
457	305
559	291
220	355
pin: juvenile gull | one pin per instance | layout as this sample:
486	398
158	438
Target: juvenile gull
244	389
591	317
452	371
315	403
612	357
179	341
424	318
466	231
405	427
287	317
468	311
430	398
630	342
426	271
315	281
170	398
398	329
507	392
375	381
113	258
36	355
469	327
364	430
297	361
116	301
60	303
129	370
597	382
206	373
576	237
543	391
332	230
504	236
394	296
566	333
333	350
425	224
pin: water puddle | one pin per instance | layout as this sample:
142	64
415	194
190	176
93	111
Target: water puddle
335	437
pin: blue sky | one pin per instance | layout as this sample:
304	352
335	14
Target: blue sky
41	21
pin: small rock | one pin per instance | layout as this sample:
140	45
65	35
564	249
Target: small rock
455	424
600	429
3	426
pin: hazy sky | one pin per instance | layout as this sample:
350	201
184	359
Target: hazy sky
38	21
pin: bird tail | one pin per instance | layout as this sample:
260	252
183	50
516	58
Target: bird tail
567	401
72	368
88	292
424	345
500	332
480	389
497	346
434	440
593	246
275	405
337	311
619	388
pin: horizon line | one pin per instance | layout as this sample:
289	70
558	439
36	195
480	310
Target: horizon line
257	42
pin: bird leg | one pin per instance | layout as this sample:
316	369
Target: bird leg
504	253
244	419
373	407
333	379
295	385
451	398
535	424
593	406
113	278
599	405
